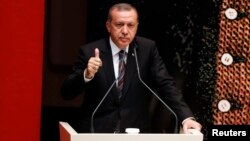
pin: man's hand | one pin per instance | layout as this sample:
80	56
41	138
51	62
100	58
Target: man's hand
191	124
94	64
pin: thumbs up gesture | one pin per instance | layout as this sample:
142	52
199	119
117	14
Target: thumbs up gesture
93	65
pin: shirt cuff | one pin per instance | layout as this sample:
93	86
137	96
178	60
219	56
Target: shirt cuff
192	118
86	80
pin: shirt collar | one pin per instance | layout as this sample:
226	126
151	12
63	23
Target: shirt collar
114	48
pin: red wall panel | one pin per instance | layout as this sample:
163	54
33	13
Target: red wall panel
21	53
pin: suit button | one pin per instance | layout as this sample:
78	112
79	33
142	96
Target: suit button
227	59
224	105
231	13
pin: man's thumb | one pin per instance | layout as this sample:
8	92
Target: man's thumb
97	53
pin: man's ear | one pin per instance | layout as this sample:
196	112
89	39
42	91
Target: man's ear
108	26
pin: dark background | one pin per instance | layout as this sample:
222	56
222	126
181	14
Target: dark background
185	32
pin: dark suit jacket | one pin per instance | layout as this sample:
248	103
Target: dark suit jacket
132	110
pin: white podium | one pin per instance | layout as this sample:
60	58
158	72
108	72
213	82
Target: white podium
67	133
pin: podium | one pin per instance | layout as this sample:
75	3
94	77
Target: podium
67	133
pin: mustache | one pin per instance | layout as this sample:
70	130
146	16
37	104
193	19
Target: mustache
123	37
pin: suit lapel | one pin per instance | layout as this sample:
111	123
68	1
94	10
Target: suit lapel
108	68
130	71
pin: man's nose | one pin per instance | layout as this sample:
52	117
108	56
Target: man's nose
125	29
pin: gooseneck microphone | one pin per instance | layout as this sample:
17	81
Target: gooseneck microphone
139	76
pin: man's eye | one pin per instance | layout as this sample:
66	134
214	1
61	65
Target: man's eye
119	25
131	26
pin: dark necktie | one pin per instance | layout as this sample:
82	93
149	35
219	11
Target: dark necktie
121	72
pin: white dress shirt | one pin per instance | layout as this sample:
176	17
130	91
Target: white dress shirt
115	54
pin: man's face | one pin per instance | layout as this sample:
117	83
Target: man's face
122	27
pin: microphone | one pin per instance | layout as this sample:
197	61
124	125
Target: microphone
139	76
99	104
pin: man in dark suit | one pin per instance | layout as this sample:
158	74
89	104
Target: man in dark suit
126	104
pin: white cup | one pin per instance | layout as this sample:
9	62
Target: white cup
132	130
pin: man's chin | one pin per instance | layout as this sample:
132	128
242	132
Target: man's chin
123	45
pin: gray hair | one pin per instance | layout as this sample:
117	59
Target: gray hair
121	7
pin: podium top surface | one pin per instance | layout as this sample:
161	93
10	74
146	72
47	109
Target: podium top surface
67	133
